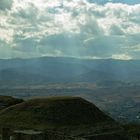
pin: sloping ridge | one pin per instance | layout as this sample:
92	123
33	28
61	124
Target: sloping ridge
6	101
52	112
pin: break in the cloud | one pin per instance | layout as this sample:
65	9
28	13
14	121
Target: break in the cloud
78	28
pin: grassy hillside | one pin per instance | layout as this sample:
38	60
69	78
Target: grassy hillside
6	101
53	112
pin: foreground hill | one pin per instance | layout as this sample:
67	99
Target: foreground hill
6	101
71	116
53	112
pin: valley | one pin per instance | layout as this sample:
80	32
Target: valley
121	103
112	85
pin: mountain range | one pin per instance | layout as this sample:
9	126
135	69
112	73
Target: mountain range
68	70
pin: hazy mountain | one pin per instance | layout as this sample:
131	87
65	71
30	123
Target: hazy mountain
61	69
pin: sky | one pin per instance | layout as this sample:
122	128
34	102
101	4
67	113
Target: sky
93	29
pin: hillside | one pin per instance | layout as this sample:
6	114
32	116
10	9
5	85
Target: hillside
54	112
6	101
38	71
94	76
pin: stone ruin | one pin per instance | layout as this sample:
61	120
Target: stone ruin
27	135
7	134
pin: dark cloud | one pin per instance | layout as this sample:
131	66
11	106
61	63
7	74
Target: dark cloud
115	30
28	13
68	44
26	45
104	46
5	4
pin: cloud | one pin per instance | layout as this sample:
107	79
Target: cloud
115	1
116	30
5	4
121	56
68	44
104	46
77	28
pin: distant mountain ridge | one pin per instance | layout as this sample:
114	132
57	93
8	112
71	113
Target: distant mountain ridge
62	69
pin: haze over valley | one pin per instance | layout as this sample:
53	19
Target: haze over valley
112	84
